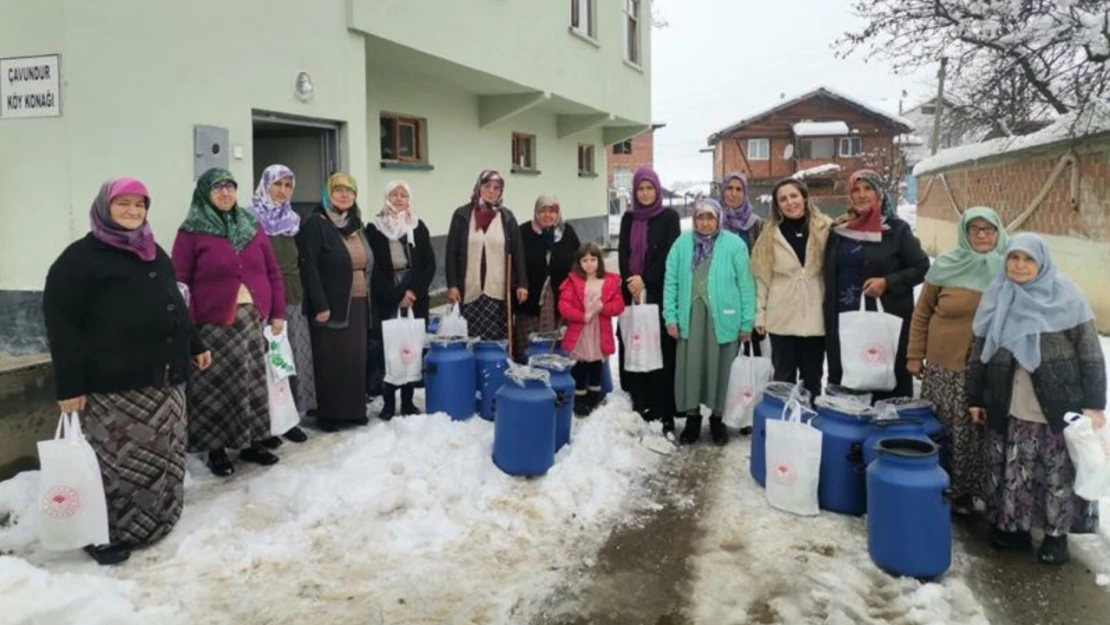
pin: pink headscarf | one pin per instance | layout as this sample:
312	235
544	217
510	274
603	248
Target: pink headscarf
140	241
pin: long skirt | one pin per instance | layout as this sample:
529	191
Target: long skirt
967	447
339	355
486	318
1030	481
527	324
304	383
139	439
702	365
229	405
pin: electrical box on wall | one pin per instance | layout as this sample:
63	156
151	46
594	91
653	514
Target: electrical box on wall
210	149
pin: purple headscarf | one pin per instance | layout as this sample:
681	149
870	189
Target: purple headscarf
637	252
276	219
139	241
737	220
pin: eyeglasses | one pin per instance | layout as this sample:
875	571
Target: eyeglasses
976	231
224	186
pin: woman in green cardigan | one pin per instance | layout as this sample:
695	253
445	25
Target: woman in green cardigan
709	306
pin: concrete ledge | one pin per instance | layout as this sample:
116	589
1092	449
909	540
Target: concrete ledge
28	413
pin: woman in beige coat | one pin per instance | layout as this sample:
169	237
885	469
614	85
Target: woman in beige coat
787	262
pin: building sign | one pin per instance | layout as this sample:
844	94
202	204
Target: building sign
30	86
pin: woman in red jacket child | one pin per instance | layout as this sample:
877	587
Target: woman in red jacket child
588	300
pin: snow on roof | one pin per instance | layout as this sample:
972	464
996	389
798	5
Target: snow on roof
816	171
820	129
1094	120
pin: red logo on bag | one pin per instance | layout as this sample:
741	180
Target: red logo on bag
637	338
61	502
785	474
407	355
874	354
745	396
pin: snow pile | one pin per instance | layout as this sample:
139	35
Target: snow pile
408	521
820	129
908	213
824	168
1094	120
759	565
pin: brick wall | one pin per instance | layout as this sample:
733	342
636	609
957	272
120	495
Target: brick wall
1079	235
643	155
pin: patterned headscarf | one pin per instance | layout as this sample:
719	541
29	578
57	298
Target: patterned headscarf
238	226
965	268
395	223
742	218
140	241
703	243
484	211
868	226
1012	316
556	231
276	219
641	214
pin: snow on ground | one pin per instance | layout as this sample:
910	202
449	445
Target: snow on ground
406	521
756	564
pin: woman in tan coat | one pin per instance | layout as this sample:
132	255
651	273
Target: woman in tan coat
787	262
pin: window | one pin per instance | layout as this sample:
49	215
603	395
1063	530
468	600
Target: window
632	31
582	17
928	109
524	152
759	149
823	147
851	146
622	180
585	159
402	138
624	147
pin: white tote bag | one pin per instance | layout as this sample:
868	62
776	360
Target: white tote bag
746	380
639	326
72	510
868	348
453	323
279	368
1089	450
793	462
403	343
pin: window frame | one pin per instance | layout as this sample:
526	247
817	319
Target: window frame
633	9
808	154
840	147
764	141
586	151
515	151
618	175
576	15
419	126
621	144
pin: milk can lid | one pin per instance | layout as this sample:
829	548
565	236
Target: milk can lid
553	362
906	447
845	406
520	374
436	339
906	403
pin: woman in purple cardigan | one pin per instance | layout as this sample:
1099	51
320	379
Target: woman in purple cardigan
235	285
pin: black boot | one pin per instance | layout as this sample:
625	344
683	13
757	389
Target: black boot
692	432
668	427
718	431
107	555
296	435
389	402
581	403
746	431
1016	541
407	405
327	425
258	455
1054	550
219	464
271	443
593	398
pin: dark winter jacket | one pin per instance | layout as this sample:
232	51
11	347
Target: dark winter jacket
1071	377
458	236
663	231
387	293
326	270
115	322
539	268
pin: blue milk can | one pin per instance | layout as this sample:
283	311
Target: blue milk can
490	362
449	377
562	382
924	411
882	429
909	516
775	396
844	426
548	343
524	429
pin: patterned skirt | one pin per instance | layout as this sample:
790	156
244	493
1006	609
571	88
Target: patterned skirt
526	324
1030	480
304	383
228	403
485	318
967	447
139	439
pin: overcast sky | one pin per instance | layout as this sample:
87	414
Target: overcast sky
720	61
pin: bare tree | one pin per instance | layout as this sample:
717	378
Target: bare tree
1012	60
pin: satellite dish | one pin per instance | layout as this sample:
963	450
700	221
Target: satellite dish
788	151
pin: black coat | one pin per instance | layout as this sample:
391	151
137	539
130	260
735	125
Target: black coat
326	270
115	322
539	268
663	230
422	269
458	236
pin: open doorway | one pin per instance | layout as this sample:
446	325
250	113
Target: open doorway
309	147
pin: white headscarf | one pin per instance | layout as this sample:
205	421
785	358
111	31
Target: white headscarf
393	222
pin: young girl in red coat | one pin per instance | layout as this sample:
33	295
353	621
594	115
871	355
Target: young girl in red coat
588	300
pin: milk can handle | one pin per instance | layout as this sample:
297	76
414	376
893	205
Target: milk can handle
560	398
946	496
855	456
429	369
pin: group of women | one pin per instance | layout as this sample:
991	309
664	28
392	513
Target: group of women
166	353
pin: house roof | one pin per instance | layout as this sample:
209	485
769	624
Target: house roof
900	124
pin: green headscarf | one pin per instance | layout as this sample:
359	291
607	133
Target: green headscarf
236	225
965	268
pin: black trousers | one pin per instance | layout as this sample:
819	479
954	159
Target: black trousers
587	375
793	354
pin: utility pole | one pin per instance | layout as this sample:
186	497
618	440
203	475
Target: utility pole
938	106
